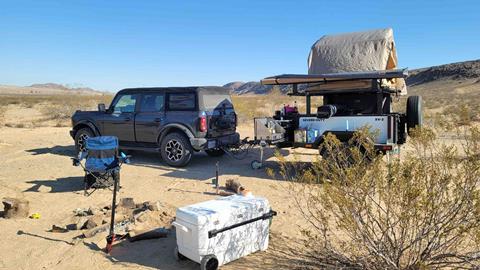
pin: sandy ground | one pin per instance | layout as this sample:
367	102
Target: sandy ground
36	165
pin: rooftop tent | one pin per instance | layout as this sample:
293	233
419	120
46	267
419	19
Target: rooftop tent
352	52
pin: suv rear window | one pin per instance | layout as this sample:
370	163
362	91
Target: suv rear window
181	101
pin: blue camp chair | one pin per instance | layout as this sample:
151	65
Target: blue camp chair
103	162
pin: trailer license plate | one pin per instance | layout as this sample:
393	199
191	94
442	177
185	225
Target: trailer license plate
212	144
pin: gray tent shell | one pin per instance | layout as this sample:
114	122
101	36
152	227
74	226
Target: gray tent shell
353	52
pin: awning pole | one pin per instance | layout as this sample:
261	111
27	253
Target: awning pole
308	103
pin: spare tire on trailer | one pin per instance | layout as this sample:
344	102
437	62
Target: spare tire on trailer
414	112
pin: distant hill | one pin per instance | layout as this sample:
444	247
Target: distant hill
254	88
47	89
454	71
461	71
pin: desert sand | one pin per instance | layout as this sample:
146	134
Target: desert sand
36	166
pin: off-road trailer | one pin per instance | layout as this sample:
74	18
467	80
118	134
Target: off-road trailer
351	100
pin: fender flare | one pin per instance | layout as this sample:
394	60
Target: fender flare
89	124
183	128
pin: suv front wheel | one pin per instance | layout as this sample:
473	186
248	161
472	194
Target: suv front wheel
81	139
176	150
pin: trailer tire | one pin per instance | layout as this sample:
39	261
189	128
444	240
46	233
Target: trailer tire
209	262
414	113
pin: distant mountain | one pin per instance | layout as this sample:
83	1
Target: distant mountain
47	89
454	71
62	87
254	88
233	86
460	71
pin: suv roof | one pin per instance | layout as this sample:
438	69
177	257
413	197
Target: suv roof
198	89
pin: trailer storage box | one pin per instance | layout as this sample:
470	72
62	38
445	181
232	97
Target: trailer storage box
219	231
312	135
268	129
300	136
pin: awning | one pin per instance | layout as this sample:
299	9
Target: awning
334	77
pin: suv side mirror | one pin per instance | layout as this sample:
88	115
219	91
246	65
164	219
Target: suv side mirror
101	107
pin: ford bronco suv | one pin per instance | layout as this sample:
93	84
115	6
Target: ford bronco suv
175	121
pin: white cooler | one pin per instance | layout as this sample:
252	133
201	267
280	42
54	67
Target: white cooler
216	232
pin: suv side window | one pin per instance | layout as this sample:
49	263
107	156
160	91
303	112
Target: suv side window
152	103
182	101
125	104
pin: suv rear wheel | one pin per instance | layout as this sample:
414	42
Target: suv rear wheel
81	139
176	150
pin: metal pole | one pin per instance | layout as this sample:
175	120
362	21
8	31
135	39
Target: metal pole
111	236
308	101
216	177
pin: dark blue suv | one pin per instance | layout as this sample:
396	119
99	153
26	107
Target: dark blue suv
175	121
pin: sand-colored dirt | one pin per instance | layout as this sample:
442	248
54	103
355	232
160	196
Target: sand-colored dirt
36	166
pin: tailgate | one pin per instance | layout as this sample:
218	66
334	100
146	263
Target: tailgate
222	121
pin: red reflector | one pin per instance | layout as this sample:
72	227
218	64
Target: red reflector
387	147
203	124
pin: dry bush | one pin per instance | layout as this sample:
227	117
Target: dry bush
57	108
420	212
62	110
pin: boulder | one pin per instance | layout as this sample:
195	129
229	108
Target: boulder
154	205
15	208
127	203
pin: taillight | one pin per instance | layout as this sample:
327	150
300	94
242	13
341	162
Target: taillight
203	123
387	148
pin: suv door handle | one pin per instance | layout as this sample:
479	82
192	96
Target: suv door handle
128	119
158	120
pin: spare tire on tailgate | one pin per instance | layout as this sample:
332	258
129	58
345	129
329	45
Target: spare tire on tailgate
414	112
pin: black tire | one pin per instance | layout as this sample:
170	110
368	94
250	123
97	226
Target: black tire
209	262
176	150
414	112
81	138
215	152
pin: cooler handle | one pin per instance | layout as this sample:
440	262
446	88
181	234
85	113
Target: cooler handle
180	226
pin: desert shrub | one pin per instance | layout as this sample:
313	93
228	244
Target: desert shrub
56	108
418	212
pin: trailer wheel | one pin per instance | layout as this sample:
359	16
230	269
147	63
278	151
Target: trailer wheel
256	164
178	255
414	112
209	262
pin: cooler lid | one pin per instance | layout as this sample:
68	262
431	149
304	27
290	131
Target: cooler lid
222	209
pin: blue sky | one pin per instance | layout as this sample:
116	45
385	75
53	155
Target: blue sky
111	45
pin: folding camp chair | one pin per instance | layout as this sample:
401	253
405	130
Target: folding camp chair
103	162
